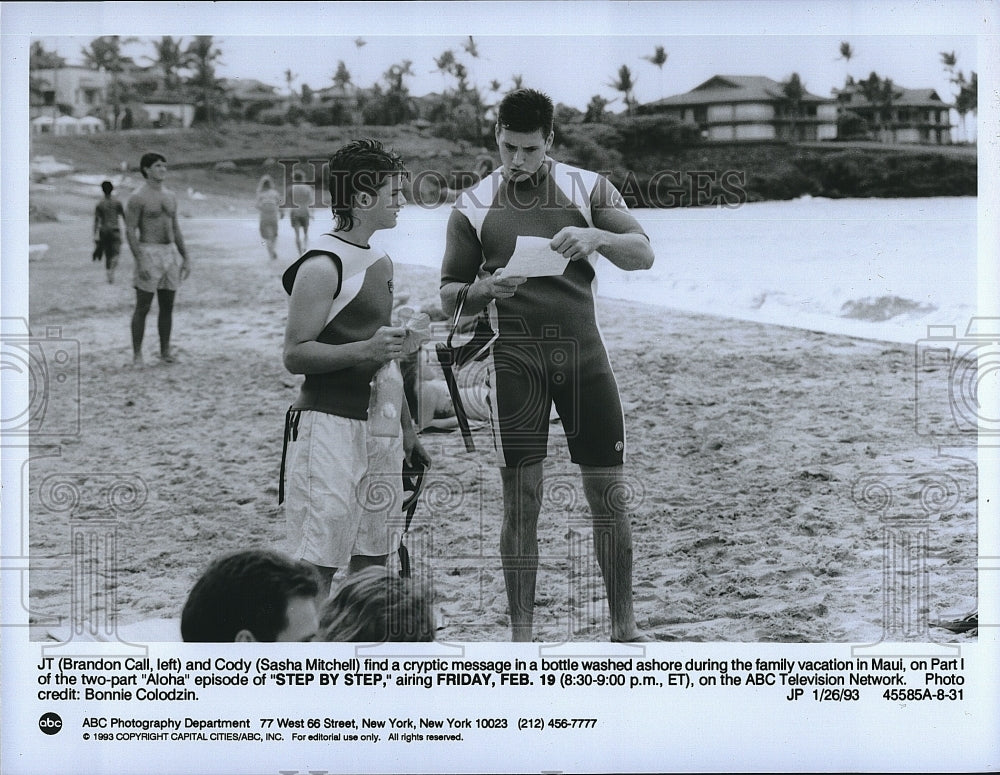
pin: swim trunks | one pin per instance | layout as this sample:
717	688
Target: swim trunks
343	490
162	262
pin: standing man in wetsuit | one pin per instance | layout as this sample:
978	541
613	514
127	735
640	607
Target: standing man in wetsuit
161	260
550	349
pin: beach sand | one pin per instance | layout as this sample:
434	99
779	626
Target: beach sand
749	449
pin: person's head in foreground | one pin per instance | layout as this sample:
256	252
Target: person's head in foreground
375	606
253	595
107	187
366	185
524	132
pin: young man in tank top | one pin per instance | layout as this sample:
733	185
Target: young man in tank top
344	472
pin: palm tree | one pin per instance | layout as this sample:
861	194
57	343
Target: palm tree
342	78
445	63
105	54
880	93
967	99
518	81
792	92
625	84
169	58
847	54
595	110
290	79
204	56
40	59
658	58
471	48
948	61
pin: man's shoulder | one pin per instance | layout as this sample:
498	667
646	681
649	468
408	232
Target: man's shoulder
480	194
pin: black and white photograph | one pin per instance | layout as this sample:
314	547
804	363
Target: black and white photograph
499	387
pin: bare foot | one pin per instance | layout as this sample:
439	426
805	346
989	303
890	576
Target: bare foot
168	357
637	637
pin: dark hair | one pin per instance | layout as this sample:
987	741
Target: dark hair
149	159
247	590
526	110
107	187
358	167
375	605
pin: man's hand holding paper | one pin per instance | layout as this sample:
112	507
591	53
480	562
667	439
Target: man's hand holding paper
533	257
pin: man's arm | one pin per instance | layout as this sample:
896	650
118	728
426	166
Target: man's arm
97	221
316	284
463	258
133	214
616	234
179	242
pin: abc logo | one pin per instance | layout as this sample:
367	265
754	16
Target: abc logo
50	723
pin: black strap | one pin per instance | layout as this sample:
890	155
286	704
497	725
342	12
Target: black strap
291	434
414	480
459	306
445	359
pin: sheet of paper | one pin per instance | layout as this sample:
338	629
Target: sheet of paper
534	258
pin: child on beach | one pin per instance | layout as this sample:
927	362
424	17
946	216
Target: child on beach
344	466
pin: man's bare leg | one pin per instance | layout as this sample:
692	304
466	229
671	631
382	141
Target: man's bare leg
143	302
164	321
358	562
606	490
522	501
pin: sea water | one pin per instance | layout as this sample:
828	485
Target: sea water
881	269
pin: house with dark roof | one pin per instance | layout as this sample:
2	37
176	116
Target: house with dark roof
910	116
80	90
750	107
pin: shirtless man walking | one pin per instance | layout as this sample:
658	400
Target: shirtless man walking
161	260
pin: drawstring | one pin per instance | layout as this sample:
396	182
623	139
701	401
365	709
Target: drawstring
291	434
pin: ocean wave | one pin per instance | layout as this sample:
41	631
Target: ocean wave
882	308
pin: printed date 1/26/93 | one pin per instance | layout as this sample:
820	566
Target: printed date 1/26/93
556	723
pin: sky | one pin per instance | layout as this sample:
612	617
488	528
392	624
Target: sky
571	50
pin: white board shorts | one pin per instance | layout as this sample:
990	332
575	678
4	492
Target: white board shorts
343	492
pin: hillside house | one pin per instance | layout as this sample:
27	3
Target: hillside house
750	107
82	90
911	116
